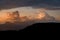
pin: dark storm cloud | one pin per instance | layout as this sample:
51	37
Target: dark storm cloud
34	3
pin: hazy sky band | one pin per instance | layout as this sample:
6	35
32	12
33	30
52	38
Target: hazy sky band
6	4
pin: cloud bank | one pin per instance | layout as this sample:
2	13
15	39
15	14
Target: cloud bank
43	16
12	17
24	21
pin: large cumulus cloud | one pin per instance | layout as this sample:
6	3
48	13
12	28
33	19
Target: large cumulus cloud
45	17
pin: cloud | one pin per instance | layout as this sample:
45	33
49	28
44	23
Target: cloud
41	16
44	17
26	21
6	4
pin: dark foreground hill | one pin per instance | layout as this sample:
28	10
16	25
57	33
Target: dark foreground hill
42	27
37	27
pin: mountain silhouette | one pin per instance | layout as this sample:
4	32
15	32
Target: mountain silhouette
42	27
37	27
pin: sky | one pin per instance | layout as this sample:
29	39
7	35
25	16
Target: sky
6	4
30	7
